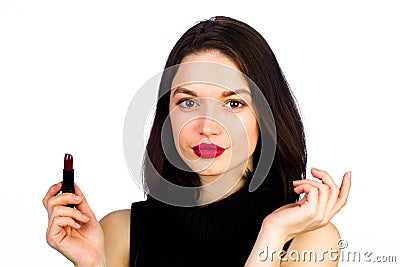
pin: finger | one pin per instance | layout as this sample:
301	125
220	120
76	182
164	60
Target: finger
56	230
83	206
307	181
311	198
62	211
299	185
328	198
61	222
324	177
323	198
62	200
304	186
53	191
344	192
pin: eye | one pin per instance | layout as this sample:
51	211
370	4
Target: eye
234	104
187	103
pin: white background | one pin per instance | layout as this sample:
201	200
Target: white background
69	69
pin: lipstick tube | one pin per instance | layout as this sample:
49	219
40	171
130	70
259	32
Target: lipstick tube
68	176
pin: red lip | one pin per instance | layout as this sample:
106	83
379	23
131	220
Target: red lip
208	151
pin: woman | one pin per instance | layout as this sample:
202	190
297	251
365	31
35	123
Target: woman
216	138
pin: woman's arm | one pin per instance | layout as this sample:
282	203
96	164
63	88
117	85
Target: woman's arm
116	228
314	248
269	242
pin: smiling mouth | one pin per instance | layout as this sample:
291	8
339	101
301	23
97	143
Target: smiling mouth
208	151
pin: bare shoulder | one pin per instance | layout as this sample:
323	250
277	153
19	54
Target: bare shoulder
315	248
326	235
119	217
116	228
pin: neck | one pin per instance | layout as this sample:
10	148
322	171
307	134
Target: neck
216	187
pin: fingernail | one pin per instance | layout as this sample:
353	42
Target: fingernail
77	225
349	175
315	169
86	218
77	198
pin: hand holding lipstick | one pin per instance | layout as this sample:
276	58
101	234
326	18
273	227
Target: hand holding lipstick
75	233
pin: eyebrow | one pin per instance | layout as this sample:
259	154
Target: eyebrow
227	93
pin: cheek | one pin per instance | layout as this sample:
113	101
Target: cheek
253	133
182	132
182	135
247	137
176	124
176	131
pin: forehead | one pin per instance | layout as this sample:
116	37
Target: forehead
208	73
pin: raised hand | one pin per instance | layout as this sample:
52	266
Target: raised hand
75	233
321	201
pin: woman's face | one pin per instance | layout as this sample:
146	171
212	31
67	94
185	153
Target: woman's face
214	128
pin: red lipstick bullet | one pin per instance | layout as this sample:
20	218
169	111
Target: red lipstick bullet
68	162
68	176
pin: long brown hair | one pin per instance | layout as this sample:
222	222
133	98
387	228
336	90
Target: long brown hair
252	54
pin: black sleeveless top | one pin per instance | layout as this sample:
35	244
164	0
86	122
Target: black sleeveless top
220	234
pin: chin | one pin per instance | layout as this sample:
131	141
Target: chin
211	172
206	173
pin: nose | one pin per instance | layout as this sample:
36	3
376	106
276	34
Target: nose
209	127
